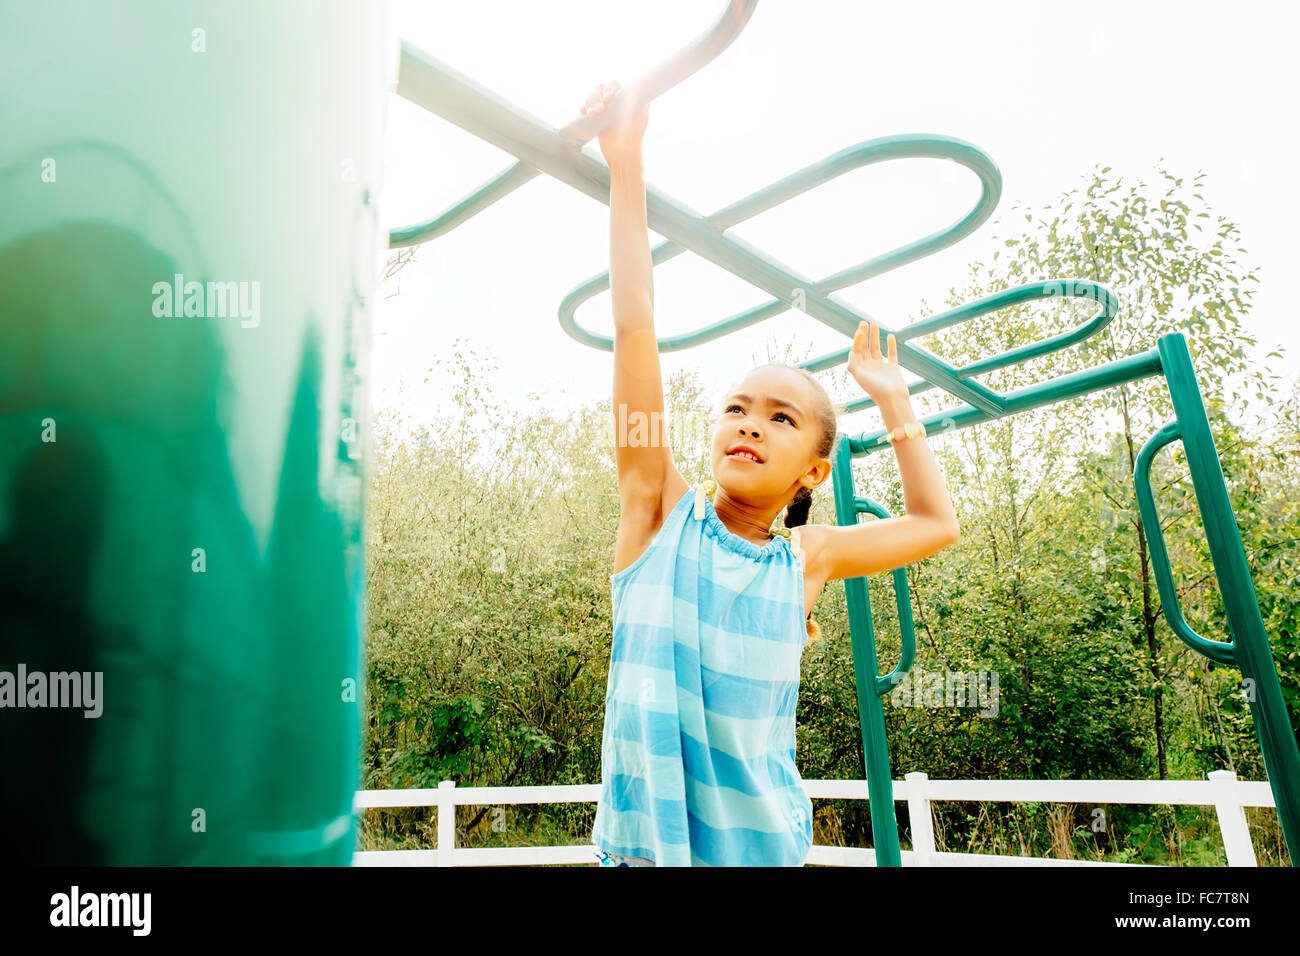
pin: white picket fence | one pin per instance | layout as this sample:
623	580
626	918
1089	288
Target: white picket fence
1223	791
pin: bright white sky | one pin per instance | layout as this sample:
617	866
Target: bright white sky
1047	90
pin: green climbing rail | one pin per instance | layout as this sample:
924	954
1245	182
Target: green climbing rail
541	148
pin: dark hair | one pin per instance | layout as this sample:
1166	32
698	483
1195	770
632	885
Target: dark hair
799	507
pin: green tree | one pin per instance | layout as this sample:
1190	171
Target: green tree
1176	267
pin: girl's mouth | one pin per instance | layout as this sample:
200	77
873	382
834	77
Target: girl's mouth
743	456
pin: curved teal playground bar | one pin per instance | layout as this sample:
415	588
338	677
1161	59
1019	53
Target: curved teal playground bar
542	149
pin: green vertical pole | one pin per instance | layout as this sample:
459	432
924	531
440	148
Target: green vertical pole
1249	649
871	716
187	254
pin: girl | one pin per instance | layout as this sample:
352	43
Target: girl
712	601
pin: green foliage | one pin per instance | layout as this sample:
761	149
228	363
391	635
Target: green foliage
491	534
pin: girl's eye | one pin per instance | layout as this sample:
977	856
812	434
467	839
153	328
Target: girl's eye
737	408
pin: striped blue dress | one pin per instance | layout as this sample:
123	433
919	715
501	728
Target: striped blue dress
698	746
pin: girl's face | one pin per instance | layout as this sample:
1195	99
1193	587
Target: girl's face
766	435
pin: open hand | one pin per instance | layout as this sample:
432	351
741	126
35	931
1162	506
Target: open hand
880	376
623	139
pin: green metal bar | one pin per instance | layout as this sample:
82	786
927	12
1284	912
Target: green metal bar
435	86
837	164
1249	650
1215	650
685	62
866	669
464	208
1047	289
1127	369
903	598
706	237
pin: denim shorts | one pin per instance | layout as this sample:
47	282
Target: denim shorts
614	859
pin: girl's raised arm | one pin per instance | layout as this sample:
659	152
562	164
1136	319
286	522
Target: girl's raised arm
648	481
930	524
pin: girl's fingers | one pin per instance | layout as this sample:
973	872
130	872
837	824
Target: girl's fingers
866	343
599	96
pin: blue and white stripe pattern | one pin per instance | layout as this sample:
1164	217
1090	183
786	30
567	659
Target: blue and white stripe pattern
698	747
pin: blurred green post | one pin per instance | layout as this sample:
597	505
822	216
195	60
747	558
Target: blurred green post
187	259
